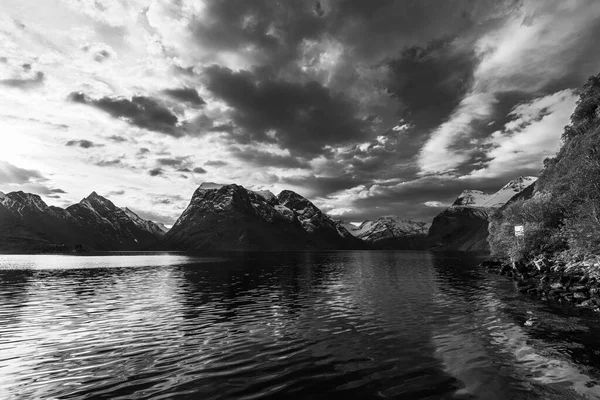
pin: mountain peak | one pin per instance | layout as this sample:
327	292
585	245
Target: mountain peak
519	183
94	195
476	198
471	198
211	185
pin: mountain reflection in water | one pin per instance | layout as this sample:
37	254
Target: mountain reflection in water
356	324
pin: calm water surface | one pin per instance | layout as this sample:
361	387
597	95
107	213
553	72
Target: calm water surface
353	325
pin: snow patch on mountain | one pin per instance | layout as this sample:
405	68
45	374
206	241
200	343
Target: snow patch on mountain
476	198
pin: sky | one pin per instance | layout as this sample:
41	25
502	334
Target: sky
367	108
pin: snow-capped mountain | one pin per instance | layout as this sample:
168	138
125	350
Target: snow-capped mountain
476	198
230	217
464	225
390	232
27	223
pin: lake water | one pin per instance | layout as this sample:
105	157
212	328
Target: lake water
351	325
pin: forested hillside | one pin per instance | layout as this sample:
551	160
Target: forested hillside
562	215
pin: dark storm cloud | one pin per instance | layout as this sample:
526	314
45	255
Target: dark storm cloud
272	29
155	172
141	111
267	159
430	81
86	144
57	191
199	170
188	95
215	163
302	118
117	138
321	186
10	173
184	169
222	128
172	162
408	198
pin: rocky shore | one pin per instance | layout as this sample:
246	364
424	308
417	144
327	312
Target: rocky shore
554	279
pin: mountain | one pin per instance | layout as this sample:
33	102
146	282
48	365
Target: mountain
230	217
147	225
391	232
27	223
476	198
464	225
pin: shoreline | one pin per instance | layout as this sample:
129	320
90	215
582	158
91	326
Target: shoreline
573	283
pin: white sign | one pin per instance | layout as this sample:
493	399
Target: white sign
519	230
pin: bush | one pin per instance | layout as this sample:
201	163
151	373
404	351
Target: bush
540	217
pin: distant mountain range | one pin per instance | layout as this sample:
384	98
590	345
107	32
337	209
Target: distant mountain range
95	223
231	217
390	232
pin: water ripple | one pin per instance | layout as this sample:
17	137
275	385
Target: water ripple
296	325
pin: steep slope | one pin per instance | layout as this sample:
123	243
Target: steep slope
464	225
391	232
230	217
108	227
150	226
28	224
460	228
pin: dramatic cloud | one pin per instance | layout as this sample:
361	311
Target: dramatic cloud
302	118
531	135
367	108
431	81
188	95
172	162
155	172
109	163
142	111
267	159
86	144
215	163
117	138
514	58
12	174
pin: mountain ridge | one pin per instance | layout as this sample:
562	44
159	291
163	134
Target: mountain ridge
95	223
390	232
231	217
